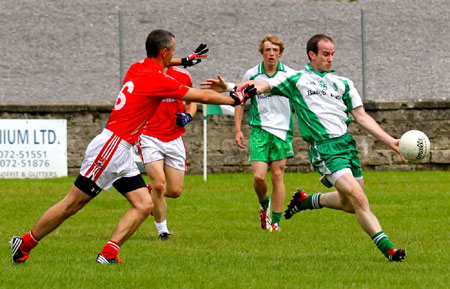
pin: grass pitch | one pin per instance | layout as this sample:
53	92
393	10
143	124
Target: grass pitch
217	242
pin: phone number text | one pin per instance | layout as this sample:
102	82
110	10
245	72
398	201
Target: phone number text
23	159
22	154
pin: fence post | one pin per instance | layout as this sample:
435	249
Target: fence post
363	52
121	47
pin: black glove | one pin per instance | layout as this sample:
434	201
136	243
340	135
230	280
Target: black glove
183	118
242	94
195	58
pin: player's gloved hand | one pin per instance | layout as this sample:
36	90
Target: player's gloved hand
242	94
195	58
183	118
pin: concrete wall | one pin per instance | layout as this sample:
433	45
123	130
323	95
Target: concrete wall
68	51
431	116
61	59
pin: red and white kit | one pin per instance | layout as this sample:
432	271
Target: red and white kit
108	156
161	137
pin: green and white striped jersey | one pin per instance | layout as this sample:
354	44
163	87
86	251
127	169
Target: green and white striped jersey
270	112
322	101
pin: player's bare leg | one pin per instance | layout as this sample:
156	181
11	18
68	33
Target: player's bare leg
142	206
335	200
58	213
174	181
157	175
155	171
354	197
49	221
260	186
354	200
350	198
259	179
173	189
279	191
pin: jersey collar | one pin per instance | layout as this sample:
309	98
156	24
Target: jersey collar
152	63
280	67
308	67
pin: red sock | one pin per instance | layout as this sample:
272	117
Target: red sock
110	250
29	242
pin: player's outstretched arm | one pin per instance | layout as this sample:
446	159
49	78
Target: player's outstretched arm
220	85
375	129
236	97
261	86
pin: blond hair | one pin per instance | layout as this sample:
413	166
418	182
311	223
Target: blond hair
271	38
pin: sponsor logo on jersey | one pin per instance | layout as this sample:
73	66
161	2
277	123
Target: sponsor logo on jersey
316	92
263	96
336	96
323	92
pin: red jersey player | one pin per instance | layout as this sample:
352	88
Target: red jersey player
162	150
108	160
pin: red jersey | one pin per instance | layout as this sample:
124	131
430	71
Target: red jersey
144	87
162	124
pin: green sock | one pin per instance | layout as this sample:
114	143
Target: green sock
276	217
312	202
265	204
383	243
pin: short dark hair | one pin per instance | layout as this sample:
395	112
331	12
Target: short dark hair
313	41
157	40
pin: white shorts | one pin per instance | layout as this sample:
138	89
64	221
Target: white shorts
107	159
332	178
172	152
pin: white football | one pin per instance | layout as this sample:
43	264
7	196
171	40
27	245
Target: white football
414	145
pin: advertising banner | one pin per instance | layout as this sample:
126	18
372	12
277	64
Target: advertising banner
33	148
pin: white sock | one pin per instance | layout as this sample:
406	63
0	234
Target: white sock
162	227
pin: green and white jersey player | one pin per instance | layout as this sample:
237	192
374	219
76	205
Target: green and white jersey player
268	111
270	141
323	103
